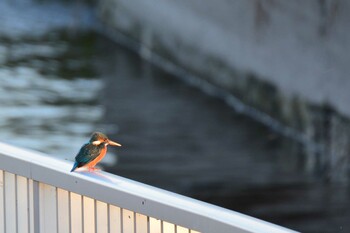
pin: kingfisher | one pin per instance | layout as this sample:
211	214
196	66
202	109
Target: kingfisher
93	152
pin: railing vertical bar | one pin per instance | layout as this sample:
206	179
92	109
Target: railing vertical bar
29	206
168	227
141	225
2	201
108	219
155	225
180	229
76	213
54	202
148	225
82	212
95	214
56	206
48	208
101	223
63	210
36	207
28	209
128	221
16	202
10	202
135	229
41	208
121	220
114	219
89	215
22	204
4	185
70	212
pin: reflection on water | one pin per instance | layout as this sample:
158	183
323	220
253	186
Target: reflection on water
49	93
48	89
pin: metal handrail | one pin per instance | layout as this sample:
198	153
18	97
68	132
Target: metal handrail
131	195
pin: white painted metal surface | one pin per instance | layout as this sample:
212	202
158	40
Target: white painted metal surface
38	194
63	213
2	209
10	202
48	208
114	219
76	213
22	205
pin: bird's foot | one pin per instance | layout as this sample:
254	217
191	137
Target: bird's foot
91	169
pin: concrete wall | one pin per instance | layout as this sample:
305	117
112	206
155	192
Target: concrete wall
290	59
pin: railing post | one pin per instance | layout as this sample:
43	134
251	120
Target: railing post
2	204
36	207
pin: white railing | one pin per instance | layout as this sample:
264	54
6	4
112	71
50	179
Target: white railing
38	194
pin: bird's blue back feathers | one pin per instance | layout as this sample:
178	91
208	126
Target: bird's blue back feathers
87	154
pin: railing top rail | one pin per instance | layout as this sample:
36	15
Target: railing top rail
132	195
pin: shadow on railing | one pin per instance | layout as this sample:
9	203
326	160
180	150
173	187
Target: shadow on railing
38	194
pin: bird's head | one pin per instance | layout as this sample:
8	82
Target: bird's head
97	138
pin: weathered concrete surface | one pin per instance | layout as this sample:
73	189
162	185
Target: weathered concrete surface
300	46
287	58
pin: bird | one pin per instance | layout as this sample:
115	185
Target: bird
93	152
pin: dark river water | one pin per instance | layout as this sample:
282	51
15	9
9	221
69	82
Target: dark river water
58	84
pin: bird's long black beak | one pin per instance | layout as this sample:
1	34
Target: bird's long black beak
113	143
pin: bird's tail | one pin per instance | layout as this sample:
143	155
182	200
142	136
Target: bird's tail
74	167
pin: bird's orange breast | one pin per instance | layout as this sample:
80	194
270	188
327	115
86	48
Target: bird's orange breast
98	158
